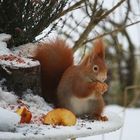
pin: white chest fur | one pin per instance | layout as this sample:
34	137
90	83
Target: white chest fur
79	105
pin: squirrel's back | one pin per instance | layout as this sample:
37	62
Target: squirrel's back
55	57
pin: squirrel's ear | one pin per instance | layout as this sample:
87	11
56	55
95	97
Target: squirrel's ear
86	61
98	49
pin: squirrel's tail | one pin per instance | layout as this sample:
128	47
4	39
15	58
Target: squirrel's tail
55	57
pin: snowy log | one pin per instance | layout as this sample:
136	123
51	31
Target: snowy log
20	72
21	77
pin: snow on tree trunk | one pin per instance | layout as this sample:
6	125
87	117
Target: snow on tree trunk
21	73
21	79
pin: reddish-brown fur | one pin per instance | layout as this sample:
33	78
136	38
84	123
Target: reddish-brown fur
55	57
67	84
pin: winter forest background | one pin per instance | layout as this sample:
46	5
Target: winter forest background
80	22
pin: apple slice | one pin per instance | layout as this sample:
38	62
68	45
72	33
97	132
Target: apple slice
25	114
60	116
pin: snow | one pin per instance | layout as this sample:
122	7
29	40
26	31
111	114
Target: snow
82	128
3	46
25	50
4	37
7	98
8	120
38	107
132	124
4	49
12	58
130	129
36	103
15	64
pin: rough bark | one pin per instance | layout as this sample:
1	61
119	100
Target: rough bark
20	79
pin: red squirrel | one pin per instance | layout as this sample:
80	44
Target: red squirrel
78	88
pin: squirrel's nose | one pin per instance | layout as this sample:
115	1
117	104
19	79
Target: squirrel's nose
102	78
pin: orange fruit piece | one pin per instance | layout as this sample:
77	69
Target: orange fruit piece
60	116
25	114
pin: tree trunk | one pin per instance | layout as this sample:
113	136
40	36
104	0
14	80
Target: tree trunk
20	79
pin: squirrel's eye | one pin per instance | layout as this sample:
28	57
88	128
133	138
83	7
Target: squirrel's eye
95	68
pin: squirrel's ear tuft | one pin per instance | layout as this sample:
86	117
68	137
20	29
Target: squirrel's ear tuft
86	61
98	49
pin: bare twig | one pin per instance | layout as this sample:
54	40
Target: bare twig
95	19
93	22
112	32
112	9
70	9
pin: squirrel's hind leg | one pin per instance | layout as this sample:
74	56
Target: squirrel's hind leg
96	112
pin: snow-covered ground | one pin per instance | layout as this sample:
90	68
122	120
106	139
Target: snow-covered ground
131	129
37	105
36	130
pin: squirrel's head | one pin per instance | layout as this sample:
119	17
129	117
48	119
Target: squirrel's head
94	64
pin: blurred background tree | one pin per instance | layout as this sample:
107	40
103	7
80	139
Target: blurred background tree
81	22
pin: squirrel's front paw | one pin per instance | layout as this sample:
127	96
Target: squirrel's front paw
101	87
